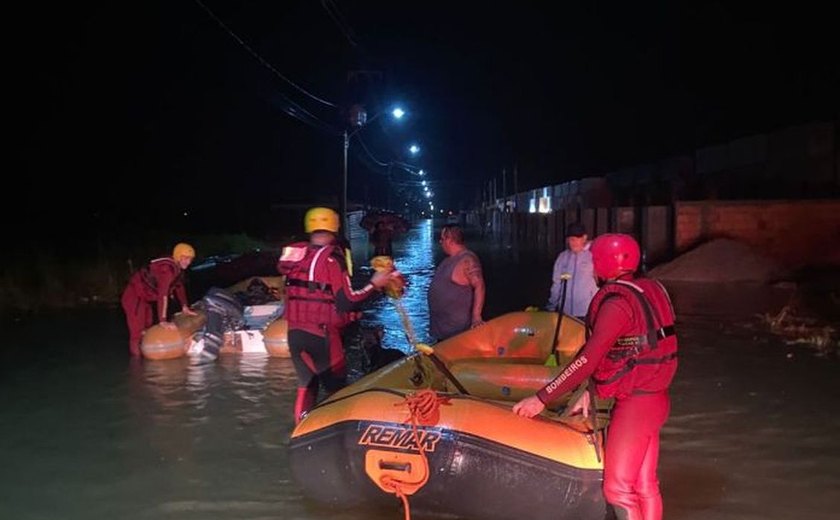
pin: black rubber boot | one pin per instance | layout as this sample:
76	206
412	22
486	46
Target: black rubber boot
621	513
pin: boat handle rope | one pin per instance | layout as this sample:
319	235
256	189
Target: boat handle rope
429	351
423	408
441	366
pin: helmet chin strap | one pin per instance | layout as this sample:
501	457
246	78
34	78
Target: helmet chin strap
322	238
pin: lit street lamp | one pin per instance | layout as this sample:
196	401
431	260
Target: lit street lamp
358	119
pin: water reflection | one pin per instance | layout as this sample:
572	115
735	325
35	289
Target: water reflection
414	256
216	436
177	389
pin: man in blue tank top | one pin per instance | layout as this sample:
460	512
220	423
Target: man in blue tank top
456	294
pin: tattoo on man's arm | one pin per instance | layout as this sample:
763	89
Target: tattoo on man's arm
473	271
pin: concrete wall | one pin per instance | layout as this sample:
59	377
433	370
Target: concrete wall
795	232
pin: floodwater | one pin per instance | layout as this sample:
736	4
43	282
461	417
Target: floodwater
87	434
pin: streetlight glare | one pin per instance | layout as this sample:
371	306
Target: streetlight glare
424	183
422	172
414	149
398	113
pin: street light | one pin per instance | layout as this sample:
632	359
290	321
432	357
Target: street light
358	119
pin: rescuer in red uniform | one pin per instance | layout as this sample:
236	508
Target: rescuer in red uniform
155	284
631	354
320	303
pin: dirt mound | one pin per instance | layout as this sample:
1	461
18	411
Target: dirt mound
720	260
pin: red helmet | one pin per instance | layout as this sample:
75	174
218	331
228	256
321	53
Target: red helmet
615	254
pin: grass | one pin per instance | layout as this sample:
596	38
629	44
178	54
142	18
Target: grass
36	278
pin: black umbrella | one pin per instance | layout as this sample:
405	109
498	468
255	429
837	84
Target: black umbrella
391	221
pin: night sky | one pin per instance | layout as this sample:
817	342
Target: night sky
148	109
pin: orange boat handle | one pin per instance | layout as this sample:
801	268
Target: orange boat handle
386	468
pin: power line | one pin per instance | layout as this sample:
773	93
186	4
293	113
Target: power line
260	58
332	10
408	167
301	114
365	148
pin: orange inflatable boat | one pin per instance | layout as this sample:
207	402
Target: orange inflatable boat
437	430
262	333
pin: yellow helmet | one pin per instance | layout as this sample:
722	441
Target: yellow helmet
320	219
182	249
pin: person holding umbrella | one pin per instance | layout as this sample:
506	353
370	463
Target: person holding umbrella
381	238
382	227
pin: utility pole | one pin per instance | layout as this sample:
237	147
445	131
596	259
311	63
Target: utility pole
505	216
495	195
515	181
389	203
342	202
515	203
359	84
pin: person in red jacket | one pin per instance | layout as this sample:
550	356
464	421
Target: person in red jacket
155	284
631	355
320	303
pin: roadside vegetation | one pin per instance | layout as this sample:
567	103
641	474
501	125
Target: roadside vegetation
95	273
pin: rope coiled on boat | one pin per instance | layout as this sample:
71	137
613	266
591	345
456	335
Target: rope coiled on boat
423	407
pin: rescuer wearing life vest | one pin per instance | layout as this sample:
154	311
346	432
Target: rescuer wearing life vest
320	303
155	284
631	355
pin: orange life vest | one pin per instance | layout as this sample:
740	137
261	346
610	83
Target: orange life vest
310	286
